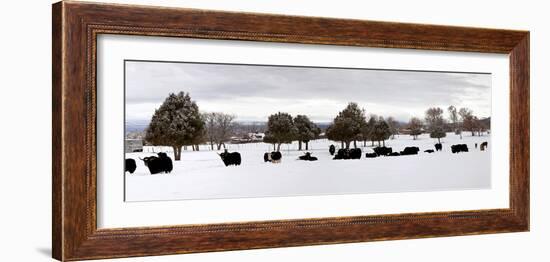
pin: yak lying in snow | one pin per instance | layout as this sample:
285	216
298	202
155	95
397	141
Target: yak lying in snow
273	157
307	157
371	155
158	164
429	151
410	150
233	158
394	154
354	153
382	150
459	148
331	149
130	165
483	146
438	147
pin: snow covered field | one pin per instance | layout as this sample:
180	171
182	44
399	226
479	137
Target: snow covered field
202	174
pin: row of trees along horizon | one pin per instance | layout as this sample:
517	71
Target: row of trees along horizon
179	123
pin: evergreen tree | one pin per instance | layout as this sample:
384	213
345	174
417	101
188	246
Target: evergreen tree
371	126
346	127
306	130
177	122
381	131
280	130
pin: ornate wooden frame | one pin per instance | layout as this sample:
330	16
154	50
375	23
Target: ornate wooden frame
76	26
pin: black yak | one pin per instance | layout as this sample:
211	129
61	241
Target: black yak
459	148
410	150
307	157
382	150
355	153
160	164
394	154
274	157
331	149
233	158
438	147
130	165
371	155
429	151
483	146
342	154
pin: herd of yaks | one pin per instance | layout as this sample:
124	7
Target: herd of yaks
162	163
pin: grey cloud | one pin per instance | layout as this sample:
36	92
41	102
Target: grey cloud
151	82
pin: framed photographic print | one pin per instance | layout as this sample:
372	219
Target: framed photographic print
182	130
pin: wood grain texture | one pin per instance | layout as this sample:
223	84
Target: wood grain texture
76	26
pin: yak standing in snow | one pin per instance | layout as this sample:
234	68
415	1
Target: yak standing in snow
410	150
354	153
158	164
483	146
342	154
459	148
331	149
429	151
307	157
233	158
438	147
130	165
273	157
382	150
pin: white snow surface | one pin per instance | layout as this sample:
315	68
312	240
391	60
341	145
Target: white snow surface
202	174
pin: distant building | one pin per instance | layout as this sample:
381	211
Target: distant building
256	136
248	138
133	145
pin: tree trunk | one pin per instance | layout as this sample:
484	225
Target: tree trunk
279	147
383	142
212	145
219	146
177	153
439	140
347	144
341	144
307	145
378	143
354	143
372	142
273	147
198	148
364	142
299	145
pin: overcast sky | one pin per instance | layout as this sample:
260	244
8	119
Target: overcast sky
252	93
